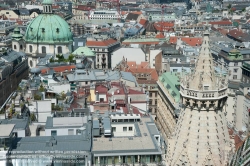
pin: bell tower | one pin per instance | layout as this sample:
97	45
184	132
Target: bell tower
18	43
47	6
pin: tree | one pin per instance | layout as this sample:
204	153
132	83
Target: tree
60	58
19	88
37	97
63	95
41	88
71	58
33	117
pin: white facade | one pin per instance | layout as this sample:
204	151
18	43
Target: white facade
104	14
65	125
42	109
152	56
123	130
129	54
34	49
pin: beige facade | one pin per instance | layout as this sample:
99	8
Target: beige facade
201	136
10	14
167	103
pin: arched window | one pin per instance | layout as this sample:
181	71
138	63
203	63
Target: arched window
59	50
21	47
43	49
31	63
30	48
14	47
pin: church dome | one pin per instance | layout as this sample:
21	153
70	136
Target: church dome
48	28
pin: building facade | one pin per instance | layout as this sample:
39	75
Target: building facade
168	98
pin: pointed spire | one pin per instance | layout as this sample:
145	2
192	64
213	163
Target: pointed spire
203	77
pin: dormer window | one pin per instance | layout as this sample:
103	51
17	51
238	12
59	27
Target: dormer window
43	29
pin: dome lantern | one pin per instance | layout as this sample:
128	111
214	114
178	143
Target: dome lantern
47	6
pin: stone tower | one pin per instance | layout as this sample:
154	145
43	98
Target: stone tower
201	136
18	43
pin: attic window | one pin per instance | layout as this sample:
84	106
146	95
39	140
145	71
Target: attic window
57	30
43	29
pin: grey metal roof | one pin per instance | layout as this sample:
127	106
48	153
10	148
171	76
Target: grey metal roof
233	85
20	124
96	124
58	143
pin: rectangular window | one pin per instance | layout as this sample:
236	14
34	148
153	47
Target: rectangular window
70	131
206	87
7	13
234	76
130	128
124	128
235	70
114	129
236	64
53	133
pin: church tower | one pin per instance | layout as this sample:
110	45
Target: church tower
18	43
201	136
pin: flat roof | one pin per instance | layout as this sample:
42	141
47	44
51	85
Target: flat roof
144	144
6	129
59	122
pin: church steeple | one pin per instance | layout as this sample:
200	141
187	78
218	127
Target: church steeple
47	6
203	77
201	136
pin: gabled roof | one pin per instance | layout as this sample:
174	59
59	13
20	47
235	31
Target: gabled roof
132	16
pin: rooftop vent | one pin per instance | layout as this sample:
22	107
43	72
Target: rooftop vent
110	139
130	138
145	134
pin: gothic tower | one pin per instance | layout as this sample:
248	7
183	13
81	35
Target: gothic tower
201	136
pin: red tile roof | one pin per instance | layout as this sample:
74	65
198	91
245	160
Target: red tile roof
142	21
55	6
103	43
150	71
160	36
165	26
59	68
192	41
85	7
101	89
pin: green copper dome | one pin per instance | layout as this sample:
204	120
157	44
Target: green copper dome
46	2
48	29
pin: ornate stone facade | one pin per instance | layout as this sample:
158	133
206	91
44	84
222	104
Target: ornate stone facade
201	136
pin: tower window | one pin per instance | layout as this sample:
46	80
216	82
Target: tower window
59	50
43	49
14	46
57	30
43	29
30	48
